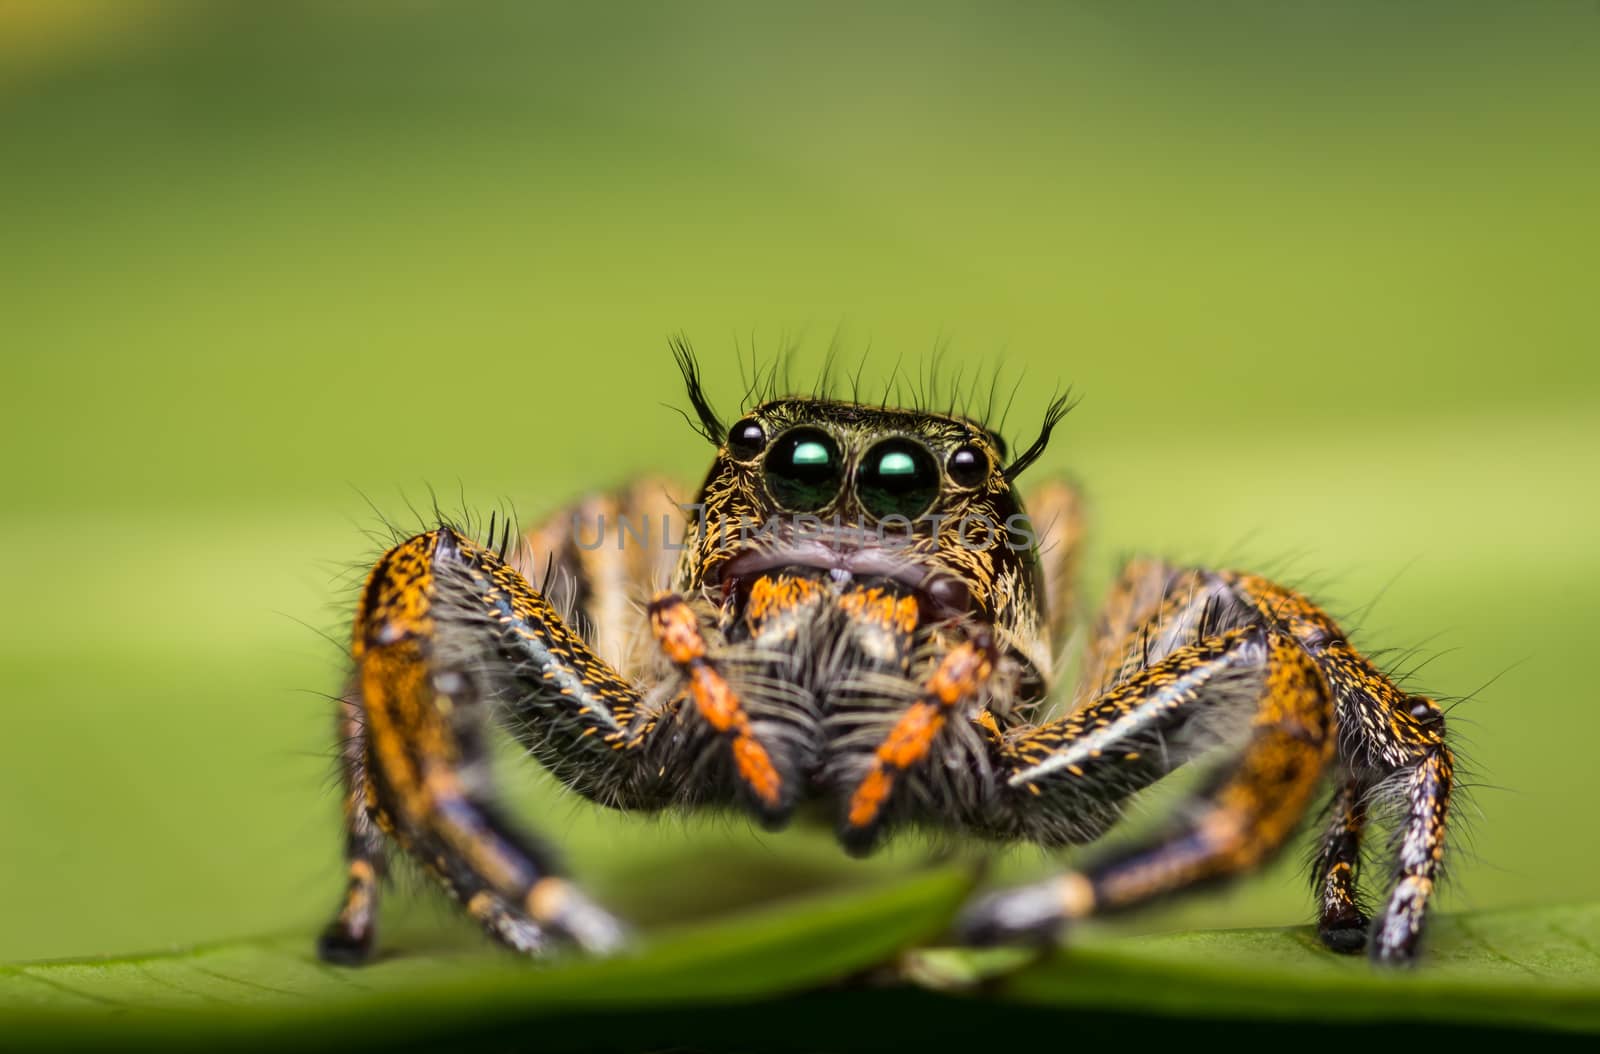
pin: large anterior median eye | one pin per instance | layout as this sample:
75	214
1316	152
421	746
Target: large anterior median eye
898	477
804	470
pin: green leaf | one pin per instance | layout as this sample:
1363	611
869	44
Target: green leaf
276	989
1536	967
1531	968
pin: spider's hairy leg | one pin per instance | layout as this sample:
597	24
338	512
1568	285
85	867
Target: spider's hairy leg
1341	922
1055	509
444	630
349	937
1242	818
1393	741
1427	795
603	555
1152	607
1387	744
1398	740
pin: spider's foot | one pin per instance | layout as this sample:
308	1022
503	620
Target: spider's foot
1396	937
1032	914
1344	933
562	909
510	928
1395	941
342	945
1392	954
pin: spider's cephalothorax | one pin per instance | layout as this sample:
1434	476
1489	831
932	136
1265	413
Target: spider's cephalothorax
857	612
835	545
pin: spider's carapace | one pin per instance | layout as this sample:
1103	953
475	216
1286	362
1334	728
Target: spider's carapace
858	609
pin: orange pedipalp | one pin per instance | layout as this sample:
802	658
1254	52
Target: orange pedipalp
678	631
958	677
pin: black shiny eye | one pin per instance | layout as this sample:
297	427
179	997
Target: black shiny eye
968	466
746	438
804	469
898	477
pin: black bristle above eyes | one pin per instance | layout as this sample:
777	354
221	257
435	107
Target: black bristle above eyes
498	538
1052	417
708	424
772	382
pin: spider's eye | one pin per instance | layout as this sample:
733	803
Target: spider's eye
746	438
898	477
968	466
804	469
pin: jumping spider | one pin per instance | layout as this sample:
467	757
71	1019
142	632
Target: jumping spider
861	616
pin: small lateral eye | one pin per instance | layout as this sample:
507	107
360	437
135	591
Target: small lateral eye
968	466
746	438
1423	710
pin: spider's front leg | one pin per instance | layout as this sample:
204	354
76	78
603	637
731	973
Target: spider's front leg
1066	779
444	630
1177	650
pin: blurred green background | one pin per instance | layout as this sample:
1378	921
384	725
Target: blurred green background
1324	274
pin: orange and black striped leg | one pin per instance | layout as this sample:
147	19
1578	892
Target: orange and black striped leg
1152	609
499	917
1400	739
445	631
1245	815
1130	603
1395	740
351	936
1065	781
1399	928
602	556
1341	922
677	631
956	682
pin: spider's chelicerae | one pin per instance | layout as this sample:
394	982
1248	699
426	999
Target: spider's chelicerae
861	615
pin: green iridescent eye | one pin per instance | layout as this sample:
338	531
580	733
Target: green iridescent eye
804	470
898	477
